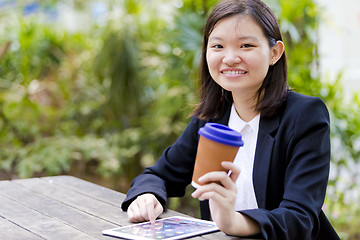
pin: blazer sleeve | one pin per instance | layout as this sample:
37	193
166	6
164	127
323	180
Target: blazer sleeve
307	163
172	172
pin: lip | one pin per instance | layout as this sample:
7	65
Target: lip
233	71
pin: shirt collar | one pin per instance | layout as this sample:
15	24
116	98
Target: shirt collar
236	123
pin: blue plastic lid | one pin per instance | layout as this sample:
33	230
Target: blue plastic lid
222	134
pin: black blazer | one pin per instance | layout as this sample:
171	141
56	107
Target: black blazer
290	175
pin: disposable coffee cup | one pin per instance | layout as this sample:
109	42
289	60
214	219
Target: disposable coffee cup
217	143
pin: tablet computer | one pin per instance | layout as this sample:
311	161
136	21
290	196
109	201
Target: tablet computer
170	228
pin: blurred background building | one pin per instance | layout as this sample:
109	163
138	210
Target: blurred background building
339	45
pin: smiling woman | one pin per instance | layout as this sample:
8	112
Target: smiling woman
263	19
278	179
238	56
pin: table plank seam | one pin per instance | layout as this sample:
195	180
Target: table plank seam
81	192
69	205
28	230
47	215
11	221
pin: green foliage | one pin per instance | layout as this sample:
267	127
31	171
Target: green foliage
41	50
58	154
121	70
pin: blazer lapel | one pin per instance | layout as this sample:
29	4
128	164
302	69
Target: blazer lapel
264	146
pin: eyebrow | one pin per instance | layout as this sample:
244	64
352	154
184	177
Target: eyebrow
214	38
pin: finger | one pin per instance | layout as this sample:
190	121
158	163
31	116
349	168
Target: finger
150	208
212	195
130	214
143	207
219	177
214	191
235	170
211	187
134	211
158	209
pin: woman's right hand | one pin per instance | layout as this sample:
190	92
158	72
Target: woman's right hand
144	208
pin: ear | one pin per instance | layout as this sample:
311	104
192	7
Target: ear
276	52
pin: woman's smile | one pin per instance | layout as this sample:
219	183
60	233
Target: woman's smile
231	72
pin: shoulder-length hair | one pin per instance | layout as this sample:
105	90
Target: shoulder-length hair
273	91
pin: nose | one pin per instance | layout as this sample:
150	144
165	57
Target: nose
231	58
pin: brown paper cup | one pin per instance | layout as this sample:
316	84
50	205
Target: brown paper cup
209	156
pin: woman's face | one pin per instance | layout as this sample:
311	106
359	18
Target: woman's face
238	55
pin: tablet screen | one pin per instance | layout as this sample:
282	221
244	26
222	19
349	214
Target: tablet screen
168	228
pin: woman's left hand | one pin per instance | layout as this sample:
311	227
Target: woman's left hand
221	191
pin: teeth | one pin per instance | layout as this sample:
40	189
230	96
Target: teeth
234	72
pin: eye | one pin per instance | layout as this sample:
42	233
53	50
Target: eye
217	46
247	45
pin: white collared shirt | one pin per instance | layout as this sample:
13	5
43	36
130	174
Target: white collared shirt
245	198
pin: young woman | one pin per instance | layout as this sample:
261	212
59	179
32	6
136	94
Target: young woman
279	178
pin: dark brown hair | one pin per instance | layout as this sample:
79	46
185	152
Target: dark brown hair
213	98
